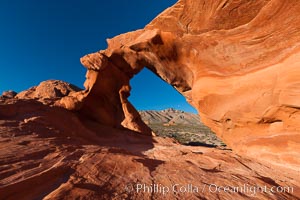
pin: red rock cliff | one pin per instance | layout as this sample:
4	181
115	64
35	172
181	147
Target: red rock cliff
236	62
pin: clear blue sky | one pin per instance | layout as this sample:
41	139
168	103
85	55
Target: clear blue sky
44	39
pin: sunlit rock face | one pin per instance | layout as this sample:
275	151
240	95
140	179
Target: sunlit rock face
46	90
236	62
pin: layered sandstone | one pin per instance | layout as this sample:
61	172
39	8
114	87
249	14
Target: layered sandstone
47	152
237	62
8	94
50	89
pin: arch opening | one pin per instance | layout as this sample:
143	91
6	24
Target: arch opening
168	113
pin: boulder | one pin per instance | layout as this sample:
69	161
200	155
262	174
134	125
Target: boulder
9	94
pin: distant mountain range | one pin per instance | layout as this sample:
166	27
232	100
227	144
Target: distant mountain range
169	117
185	127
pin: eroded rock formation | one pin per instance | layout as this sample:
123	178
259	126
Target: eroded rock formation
237	62
50	89
8	94
47	152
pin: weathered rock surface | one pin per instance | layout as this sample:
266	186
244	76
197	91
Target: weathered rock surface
50	89
237	62
47	152
8	94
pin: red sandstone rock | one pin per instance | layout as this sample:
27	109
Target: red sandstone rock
8	94
237	62
49	89
47	152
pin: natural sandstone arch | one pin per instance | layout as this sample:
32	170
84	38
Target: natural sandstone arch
107	81
236	62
